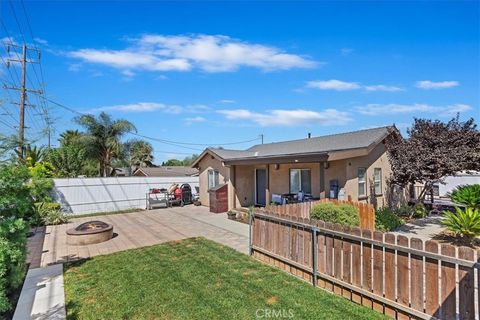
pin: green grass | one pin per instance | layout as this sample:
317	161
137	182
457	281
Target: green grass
194	279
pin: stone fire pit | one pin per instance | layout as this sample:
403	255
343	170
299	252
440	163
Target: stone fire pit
89	233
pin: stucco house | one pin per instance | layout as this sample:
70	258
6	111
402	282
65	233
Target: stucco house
352	165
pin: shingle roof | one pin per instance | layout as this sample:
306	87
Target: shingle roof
329	143
169	171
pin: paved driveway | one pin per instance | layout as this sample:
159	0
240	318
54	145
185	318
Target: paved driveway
146	228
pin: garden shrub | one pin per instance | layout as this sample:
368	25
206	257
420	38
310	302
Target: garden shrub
13	241
336	213
15	199
463	222
41	183
50	213
420	211
387	220
468	195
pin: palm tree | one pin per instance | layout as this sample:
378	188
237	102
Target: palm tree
140	153
103	138
71	137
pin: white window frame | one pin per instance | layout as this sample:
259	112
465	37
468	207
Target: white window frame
362	181
215	175
377	181
300	177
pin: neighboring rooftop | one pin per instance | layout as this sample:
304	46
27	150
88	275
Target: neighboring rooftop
166	171
323	144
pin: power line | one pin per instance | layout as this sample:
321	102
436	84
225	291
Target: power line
170	142
42	83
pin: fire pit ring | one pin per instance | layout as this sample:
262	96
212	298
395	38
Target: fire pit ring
90	232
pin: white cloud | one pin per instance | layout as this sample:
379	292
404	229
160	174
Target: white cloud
289	118
427	84
128	73
210	53
141	107
74	67
346	51
191	120
154	106
339	85
161	77
381	87
333	85
227	101
385	109
197	108
8	40
41	41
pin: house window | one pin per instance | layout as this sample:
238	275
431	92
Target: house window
377	180
212	178
300	180
362	182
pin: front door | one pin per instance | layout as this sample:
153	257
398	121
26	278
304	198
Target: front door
261	187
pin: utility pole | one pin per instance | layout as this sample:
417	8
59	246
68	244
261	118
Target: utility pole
261	136
23	91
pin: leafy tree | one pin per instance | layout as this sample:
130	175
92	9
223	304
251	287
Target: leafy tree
189	160
186	162
140	153
103	138
7	146
69	161
173	163
433	150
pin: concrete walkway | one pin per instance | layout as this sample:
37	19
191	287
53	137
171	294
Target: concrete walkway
42	294
424	229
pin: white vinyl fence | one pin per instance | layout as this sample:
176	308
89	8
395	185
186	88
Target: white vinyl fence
452	182
90	195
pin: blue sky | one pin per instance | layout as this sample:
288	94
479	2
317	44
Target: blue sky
216	72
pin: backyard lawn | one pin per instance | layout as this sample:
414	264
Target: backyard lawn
195	279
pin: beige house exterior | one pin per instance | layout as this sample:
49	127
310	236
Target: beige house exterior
350	166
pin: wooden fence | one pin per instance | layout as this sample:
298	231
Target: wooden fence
366	211
400	277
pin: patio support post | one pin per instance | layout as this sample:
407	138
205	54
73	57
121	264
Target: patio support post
250	221
314	256
322	180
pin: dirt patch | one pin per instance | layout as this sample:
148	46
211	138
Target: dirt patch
272	300
450	238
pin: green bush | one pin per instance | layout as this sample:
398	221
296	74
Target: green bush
336	213
15	199
50	213
13	241
468	195
387	220
41	182
463	222
420	211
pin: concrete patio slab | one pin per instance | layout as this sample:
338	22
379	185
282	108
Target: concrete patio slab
42	295
146	228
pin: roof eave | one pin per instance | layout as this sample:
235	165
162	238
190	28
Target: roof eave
291	158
